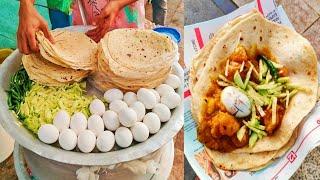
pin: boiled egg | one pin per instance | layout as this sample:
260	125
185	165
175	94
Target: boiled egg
48	133
236	102
111	120
171	100
113	94
173	81
62	120
95	124
164	89
139	108
152	121
140	132
105	141
130	98
147	98
68	139
123	137
97	107
162	111
86	141
117	105
128	117
78	122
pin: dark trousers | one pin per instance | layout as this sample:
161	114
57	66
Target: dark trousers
159	11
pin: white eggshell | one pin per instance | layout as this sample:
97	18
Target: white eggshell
236	102
97	107
139	108
164	89
62	120
128	117
140	132
111	120
95	124
68	139
86	141
147	98
156	94
123	137
105	141
152	121
163	112
130	98
78	122
117	105
173	81
171	100
48	133
113	94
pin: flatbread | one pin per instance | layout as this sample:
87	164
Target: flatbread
248	161
71	49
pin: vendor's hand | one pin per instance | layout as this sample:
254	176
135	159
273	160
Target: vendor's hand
30	21
105	20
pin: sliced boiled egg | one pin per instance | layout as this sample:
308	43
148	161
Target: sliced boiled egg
236	102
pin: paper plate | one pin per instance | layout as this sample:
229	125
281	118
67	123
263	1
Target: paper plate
26	139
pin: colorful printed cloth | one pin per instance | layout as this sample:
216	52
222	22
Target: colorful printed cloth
131	16
61	5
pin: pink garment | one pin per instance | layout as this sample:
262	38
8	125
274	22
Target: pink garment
131	16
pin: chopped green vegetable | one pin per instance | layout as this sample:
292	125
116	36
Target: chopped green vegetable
253	139
263	69
241	132
43	102
237	80
270	85
283	80
19	85
272	68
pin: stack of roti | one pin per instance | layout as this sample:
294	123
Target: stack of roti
68	60
291	50
133	58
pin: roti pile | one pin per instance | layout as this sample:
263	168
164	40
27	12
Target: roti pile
290	49
68	60
130	59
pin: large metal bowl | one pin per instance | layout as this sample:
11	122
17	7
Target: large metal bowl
26	139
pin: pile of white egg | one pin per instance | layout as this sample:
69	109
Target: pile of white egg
130	116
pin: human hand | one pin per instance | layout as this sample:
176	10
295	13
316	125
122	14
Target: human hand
105	20
30	21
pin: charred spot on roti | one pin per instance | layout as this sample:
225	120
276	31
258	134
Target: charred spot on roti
254	27
260	38
224	46
129	55
241	38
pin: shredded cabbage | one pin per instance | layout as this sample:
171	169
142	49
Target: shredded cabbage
43	102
